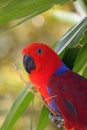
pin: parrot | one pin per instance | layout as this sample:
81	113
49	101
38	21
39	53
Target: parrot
63	90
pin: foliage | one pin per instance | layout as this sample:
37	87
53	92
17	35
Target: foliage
72	55
20	104
43	120
12	9
25	96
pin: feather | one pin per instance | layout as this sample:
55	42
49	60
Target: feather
71	91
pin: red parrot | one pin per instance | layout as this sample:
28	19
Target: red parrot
63	90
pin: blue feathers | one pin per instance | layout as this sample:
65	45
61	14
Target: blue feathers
61	70
52	103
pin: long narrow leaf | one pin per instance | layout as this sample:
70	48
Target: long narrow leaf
20	104
71	37
70	56
43	120
15	9
81	61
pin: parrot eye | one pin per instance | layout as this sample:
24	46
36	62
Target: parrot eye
39	51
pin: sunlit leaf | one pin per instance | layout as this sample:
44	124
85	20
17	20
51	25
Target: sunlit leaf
81	61
15	9
72	36
43	120
84	38
85	71
20	104
83	5
4	3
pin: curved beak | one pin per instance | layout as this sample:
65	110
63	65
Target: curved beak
28	63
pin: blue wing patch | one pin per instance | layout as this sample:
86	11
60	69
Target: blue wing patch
52	103
61	70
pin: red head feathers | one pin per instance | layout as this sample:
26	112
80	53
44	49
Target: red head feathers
40	62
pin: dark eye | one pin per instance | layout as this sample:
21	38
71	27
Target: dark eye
39	51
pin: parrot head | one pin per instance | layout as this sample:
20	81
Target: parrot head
40	61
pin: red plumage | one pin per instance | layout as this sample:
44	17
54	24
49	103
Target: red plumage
71	91
66	89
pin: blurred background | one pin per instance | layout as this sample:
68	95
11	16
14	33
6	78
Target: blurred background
47	27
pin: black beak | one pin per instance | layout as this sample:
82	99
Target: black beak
28	63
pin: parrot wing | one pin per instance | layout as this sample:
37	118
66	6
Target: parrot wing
69	92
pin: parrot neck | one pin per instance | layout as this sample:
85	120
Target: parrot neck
40	79
61	70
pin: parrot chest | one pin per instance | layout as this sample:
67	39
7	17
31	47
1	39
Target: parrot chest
71	91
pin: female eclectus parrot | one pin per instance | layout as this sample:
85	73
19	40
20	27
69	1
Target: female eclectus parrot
63	90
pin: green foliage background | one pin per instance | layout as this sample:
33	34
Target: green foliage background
72	48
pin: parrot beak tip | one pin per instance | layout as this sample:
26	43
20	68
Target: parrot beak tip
28	63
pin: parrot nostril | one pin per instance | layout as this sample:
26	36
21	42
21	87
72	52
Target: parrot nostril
28	63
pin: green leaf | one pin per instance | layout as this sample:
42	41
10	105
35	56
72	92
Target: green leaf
20	104
44	119
70	56
81	61
15	9
83	5
72	36
84	38
85	72
4	3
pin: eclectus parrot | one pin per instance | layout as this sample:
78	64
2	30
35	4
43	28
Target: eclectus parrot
64	91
